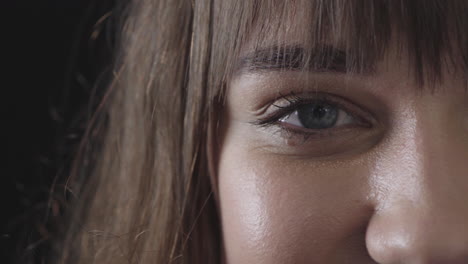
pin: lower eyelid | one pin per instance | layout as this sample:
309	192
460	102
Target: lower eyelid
297	137
321	145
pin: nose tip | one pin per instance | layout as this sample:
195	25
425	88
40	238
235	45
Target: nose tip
411	237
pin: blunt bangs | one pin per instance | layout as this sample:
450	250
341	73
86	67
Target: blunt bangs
430	33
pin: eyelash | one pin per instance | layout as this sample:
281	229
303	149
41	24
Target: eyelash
294	102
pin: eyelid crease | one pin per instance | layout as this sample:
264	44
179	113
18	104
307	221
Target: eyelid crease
261	111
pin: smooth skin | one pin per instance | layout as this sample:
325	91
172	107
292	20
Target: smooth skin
392	191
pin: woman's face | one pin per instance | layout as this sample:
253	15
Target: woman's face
330	167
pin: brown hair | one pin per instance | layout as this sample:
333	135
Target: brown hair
149	189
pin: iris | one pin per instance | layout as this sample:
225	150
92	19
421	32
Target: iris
318	115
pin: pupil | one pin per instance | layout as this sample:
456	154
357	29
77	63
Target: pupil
317	115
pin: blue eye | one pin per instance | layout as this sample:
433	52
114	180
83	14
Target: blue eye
317	115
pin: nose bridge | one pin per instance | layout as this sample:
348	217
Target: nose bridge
422	202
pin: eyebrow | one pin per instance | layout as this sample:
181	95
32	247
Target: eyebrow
293	58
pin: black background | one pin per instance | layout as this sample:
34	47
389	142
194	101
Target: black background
55	55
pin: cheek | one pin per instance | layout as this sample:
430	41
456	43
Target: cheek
278	209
